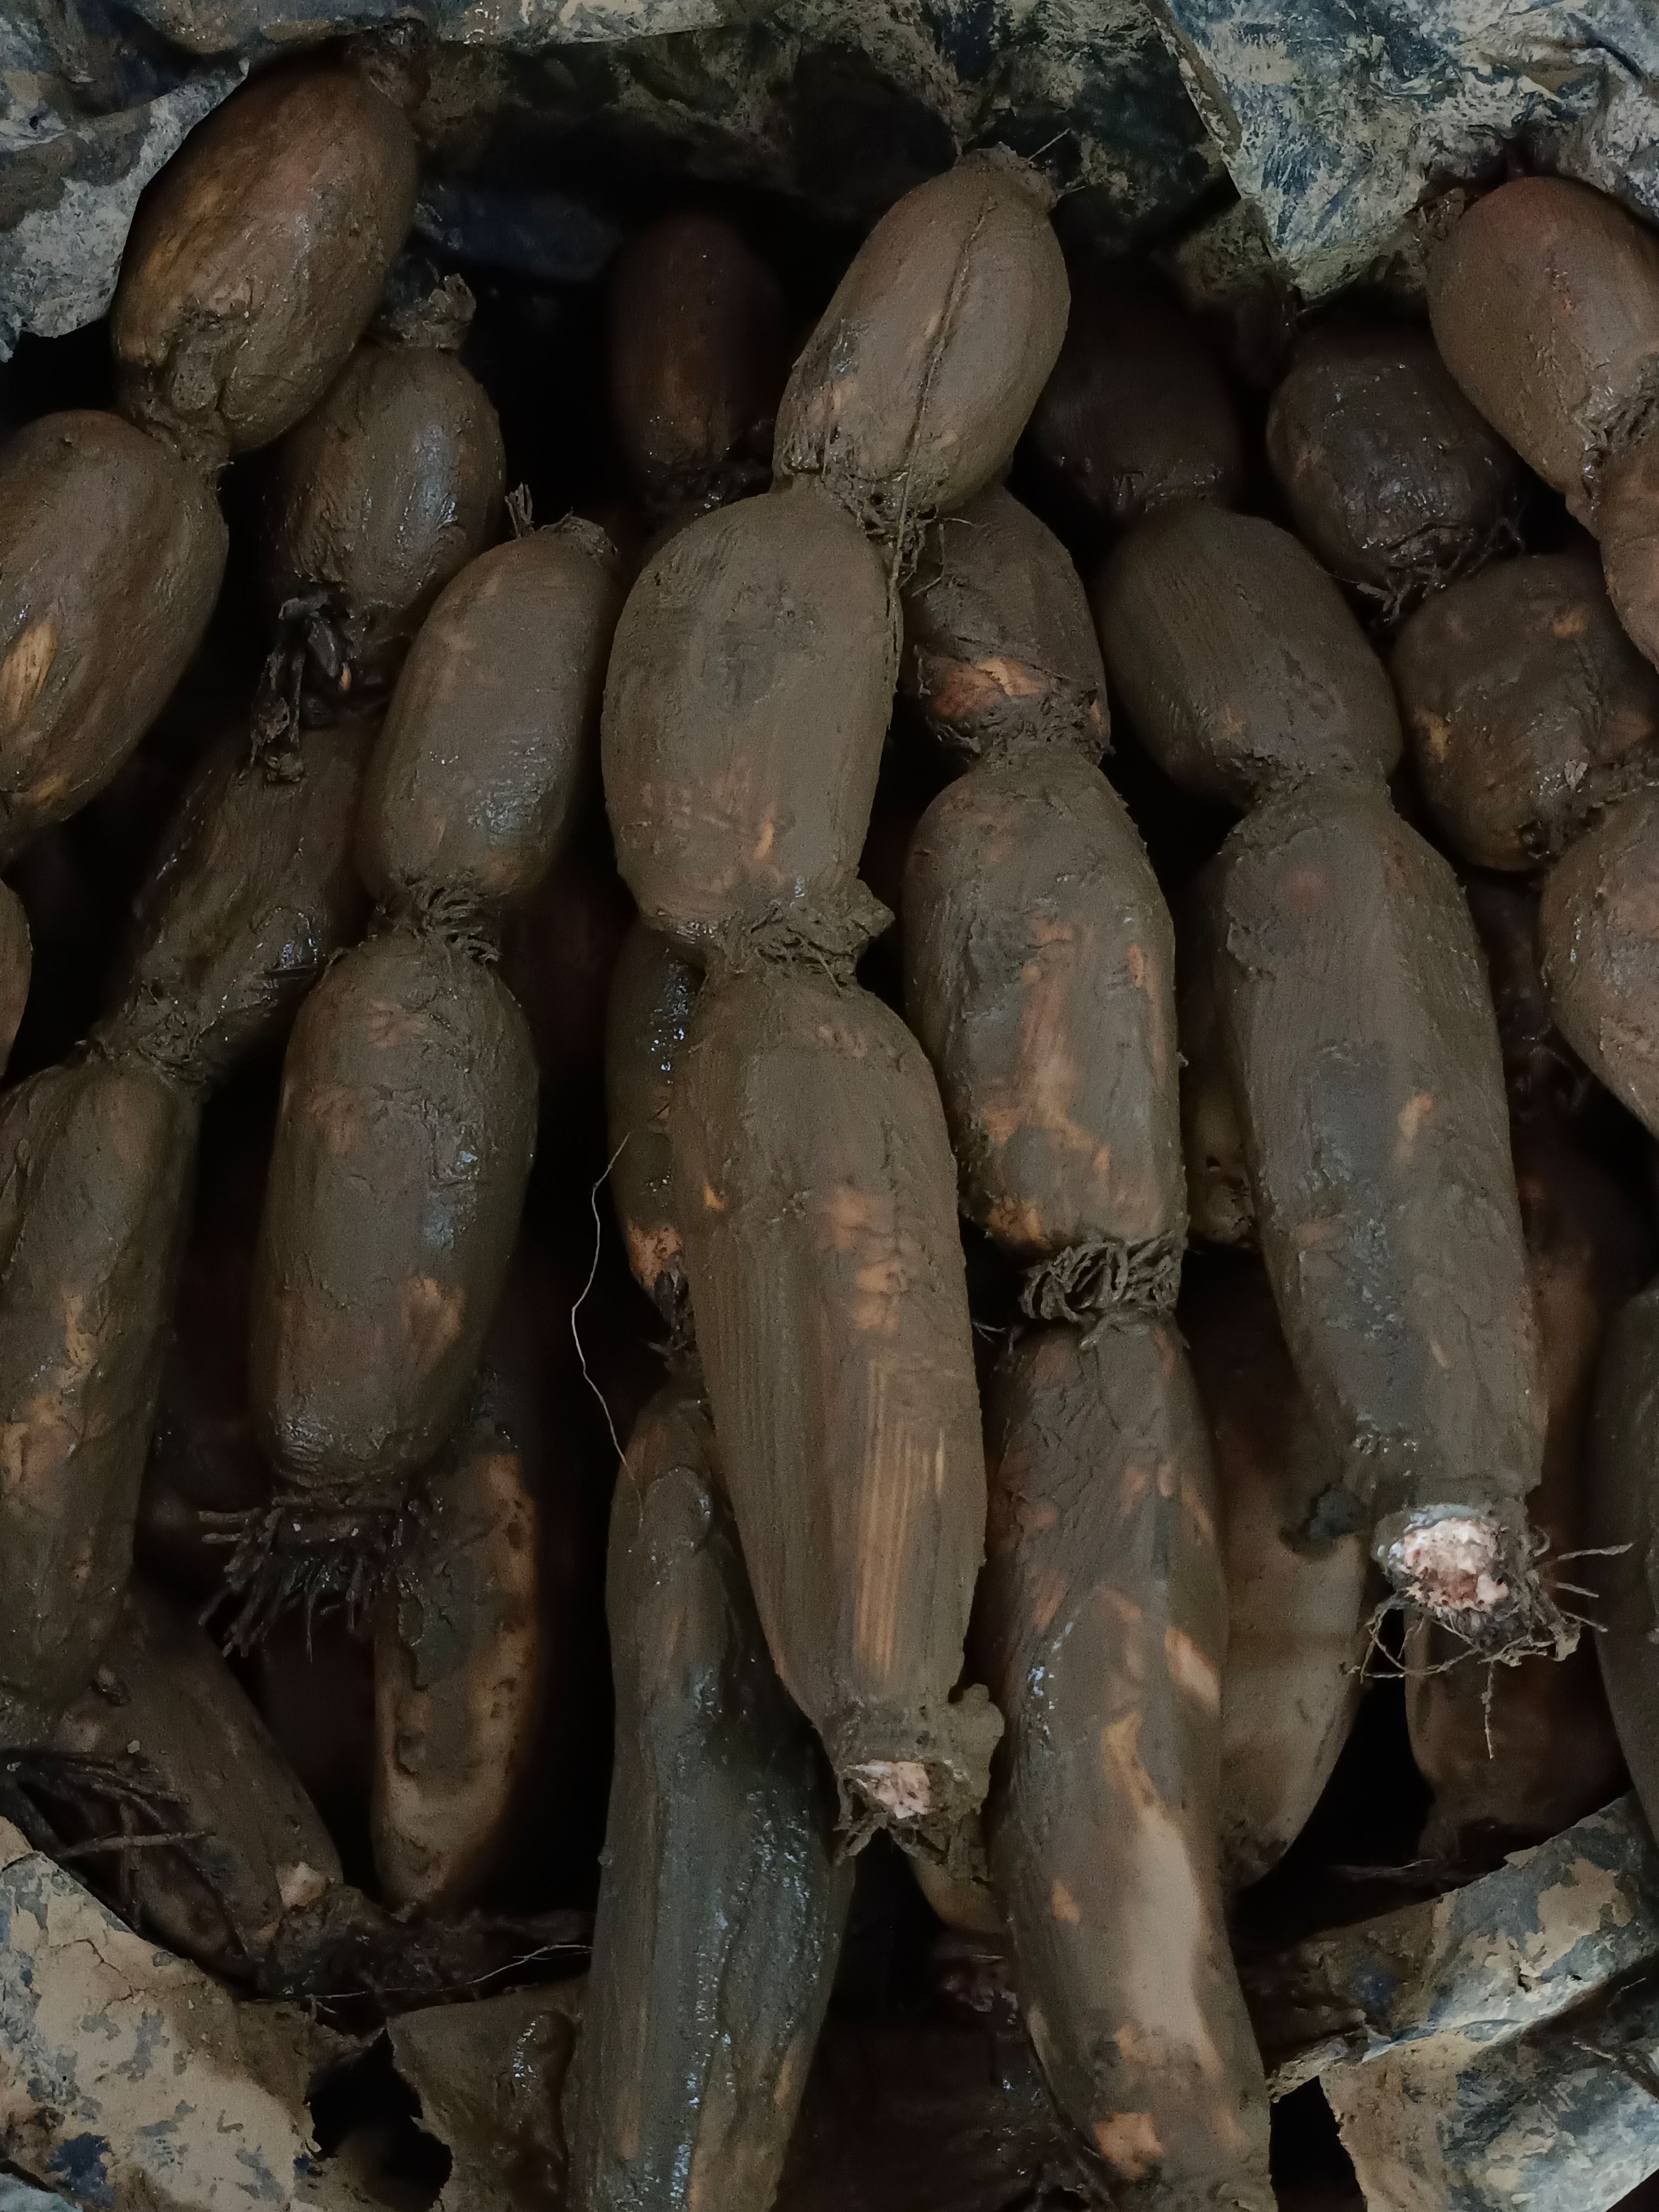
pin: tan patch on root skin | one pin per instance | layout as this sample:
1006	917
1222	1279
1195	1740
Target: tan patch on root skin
1129	2144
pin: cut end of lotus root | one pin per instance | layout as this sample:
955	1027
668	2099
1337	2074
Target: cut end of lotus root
1476	1577
920	1778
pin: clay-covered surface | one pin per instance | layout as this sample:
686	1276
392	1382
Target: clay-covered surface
492	730
1543	298
999	648
253	891
652	992
1040	978
1626	505
111	557
818	1202
1518	1752
389	486
165	1713
1137	413
1598	941
698	355
1101	1626
403	1146
98	1157
748	696
1543	1075
1221	1205
1295	1609
461	1648
910	395
1623	1454
16	956
257	260
1366	1065
720	1903
1390	474
1236	658
1527	709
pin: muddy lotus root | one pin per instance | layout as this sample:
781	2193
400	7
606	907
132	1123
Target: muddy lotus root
111	557
1390	475
258	257
909	396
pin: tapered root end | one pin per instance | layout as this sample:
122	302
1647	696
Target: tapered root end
919	1778
310	1554
1475	1576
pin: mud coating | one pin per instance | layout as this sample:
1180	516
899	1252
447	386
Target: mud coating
1515	1754
110	558
165	1710
1598	943
1101	1626
492	728
1366	1063
748	696
721	1903
1221	1205
818	1202
390	485
1543	299
98	1157
1526	708
698	356
257	256
1390	475
460	1658
1625	524
652	992
1000	647
1040	977
1296	1608
1136	414
910	394
403	1146
1236	658
16	958
252	892
1624	1457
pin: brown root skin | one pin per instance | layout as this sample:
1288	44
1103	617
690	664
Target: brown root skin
1544	300
403	1143
1624	523
1295	1611
1514	1753
721	1903
1136	414
1528	710
492	731
98	1159
652	992
1221	1205
1623	1533
1100	1625
1365	1061
999	648
111	559
461	1647
1545	1079
1040	977
698	356
1237	661
1599	951
388	488
817	1194
16	956
748	696
257	260
1390	475
911	393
